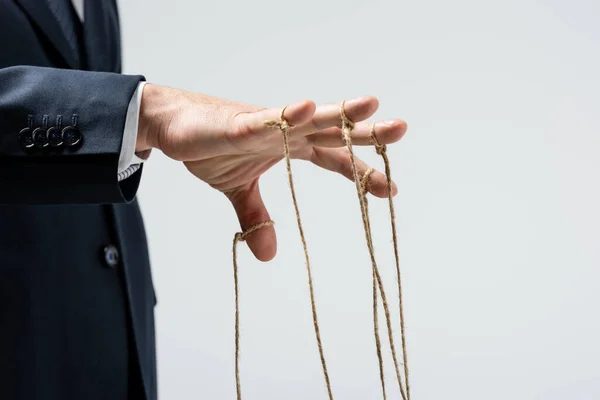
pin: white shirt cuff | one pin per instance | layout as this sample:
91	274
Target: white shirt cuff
129	162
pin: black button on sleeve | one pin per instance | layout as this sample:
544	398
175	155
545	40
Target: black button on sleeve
40	138
25	138
71	136
55	138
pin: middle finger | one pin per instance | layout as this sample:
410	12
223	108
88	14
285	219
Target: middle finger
386	132
328	116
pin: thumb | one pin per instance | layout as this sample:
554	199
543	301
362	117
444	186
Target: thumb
251	210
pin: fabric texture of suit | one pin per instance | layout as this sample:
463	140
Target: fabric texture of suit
73	323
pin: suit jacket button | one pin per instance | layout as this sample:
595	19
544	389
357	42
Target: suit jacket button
55	138
40	138
111	256
25	138
71	136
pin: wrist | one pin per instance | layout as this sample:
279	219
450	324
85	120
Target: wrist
156	110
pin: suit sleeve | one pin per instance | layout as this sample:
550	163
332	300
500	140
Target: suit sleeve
61	133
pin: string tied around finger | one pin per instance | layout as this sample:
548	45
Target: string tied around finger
241	236
284	126
382	151
280	123
379	148
362	187
347	123
364	183
347	127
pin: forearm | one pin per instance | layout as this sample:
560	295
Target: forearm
54	172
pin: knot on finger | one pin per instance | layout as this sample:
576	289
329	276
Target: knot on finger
379	148
280	123
347	124
241	236
364	183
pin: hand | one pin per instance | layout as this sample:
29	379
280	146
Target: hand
227	145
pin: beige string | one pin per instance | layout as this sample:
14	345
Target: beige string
363	192
362	189
382	150
347	127
284	127
240	237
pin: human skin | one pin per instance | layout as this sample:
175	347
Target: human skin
227	145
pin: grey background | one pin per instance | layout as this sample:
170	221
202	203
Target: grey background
498	205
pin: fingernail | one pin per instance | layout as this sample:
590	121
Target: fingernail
389	122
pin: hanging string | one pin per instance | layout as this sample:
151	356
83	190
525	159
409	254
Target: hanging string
363	192
283	125
240	237
382	151
347	127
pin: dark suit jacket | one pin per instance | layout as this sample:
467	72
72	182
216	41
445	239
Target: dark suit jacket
76	294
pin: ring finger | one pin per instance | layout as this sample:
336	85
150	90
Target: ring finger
338	160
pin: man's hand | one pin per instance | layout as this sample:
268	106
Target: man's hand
227	145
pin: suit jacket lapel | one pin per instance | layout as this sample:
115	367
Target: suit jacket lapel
42	16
